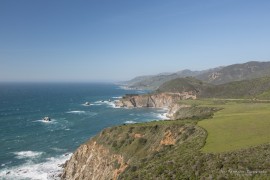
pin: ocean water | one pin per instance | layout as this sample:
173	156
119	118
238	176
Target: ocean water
33	149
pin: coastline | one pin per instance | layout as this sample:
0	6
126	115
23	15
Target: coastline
52	166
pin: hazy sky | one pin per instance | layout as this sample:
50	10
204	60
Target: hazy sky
79	40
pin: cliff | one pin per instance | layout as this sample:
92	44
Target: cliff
157	100
94	161
166	100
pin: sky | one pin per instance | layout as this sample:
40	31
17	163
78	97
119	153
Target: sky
115	40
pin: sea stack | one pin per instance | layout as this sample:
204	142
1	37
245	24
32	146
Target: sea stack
46	119
87	103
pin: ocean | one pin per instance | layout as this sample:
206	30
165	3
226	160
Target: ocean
33	149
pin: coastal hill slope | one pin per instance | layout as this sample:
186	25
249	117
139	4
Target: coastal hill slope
252	88
237	72
184	85
219	75
162	150
152	82
215	131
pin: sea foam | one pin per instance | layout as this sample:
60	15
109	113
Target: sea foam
75	112
27	154
48	170
108	103
130	122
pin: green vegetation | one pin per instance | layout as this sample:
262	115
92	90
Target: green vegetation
219	75
154	81
253	89
183	84
225	137
237	72
139	140
234	143
238	125
195	112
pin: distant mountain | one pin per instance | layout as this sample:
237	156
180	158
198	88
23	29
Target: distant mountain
218	75
236	72
152	82
184	85
252	88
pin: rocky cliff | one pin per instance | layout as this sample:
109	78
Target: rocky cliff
94	161
157	100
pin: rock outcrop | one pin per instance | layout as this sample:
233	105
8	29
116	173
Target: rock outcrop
158	100
167	100
93	161
174	108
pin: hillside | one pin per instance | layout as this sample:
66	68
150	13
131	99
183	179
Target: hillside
253	88
183	85
170	150
237	72
154	81
218	75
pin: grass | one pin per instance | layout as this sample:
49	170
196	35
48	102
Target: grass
239	125
189	155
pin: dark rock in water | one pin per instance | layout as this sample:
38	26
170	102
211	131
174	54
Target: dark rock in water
87	103
46	118
8	173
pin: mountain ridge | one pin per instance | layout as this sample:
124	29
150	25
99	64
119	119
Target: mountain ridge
218	75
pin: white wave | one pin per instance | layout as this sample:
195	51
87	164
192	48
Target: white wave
88	105
48	170
97	104
52	121
125	88
27	154
130	122
162	116
117	97
75	112
108	103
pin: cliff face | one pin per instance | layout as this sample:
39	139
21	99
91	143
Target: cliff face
159	100
94	161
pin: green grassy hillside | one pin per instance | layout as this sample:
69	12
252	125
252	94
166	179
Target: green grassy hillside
183	84
237	126
254	88
237	72
233	144
219	75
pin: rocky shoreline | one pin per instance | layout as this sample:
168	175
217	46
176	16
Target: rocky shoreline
169	101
